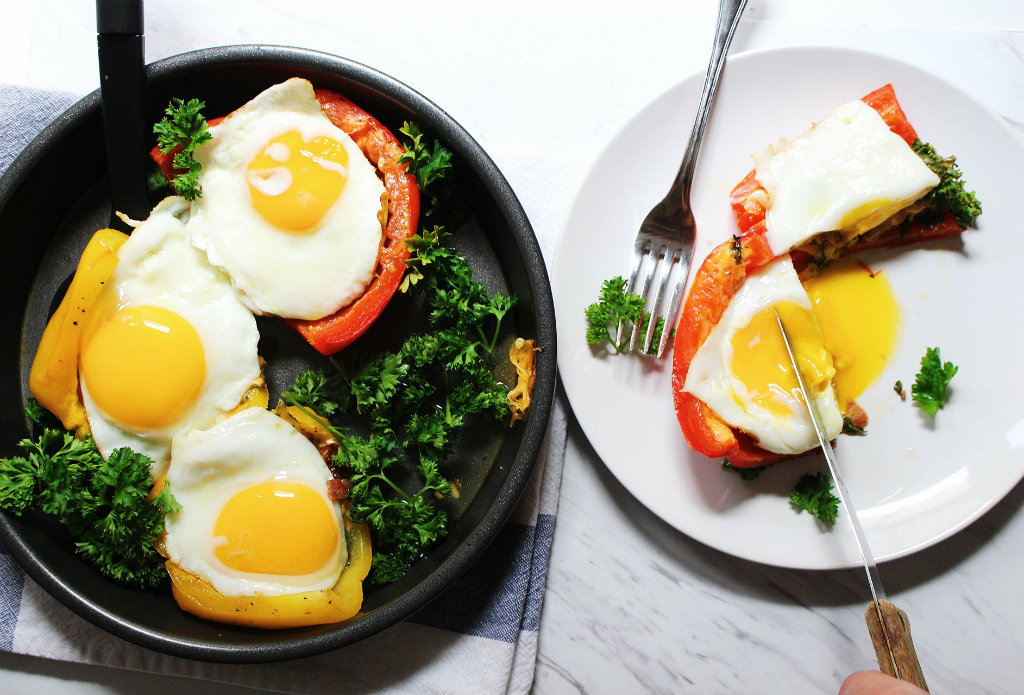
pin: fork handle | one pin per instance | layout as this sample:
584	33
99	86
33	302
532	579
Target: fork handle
729	13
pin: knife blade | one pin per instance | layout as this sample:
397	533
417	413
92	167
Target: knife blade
888	625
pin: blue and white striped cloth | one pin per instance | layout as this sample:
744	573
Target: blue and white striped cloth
479	636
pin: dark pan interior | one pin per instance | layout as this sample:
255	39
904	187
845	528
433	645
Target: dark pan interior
54	196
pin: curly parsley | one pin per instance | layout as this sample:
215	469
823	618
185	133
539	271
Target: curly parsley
929	390
103	505
183	126
747	473
614	306
813	494
950	195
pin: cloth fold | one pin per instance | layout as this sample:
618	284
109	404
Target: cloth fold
478	636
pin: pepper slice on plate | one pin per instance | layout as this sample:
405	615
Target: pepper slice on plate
749	200
714	284
338	330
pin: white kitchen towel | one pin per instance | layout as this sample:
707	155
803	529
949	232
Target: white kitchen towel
479	636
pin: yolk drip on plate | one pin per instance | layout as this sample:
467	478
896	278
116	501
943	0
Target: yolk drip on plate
859	318
294	182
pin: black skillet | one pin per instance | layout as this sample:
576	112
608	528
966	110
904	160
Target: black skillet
56	194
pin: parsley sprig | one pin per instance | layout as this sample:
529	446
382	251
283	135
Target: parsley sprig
950	195
747	473
616	305
102	504
184	126
431	165
414	400
929	390
813	494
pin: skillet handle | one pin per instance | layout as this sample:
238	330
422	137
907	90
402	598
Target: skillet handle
120	45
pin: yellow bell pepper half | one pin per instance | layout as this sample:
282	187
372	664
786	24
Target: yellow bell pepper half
197	596
53	378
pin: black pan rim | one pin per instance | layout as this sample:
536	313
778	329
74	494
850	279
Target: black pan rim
536	425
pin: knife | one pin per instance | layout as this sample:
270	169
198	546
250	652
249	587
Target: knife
888	625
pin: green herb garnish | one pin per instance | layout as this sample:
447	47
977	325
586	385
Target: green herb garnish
850	428
102	504
752	473
813	494
430	163
616	305
929	390
184	126
950	195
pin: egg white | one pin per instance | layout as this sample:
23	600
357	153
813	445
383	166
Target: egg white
710	377
848	173
158	267
304	276
208	467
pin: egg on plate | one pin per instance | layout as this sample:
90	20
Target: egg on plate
291	208
843	325
258	539
860	178
743	372
848	173
165	345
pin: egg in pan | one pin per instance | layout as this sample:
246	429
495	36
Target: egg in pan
164	346
291	208
258	539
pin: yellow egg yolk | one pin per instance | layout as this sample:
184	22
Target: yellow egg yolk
760	360
277	527
143	365
859	318
294	182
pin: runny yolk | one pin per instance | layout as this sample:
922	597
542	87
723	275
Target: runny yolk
143	365
761	362
859	318
277	527
294	182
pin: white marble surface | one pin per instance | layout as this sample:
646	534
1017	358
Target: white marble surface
632	605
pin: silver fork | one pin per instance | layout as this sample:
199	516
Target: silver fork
664	244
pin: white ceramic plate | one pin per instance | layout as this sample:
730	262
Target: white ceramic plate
914	482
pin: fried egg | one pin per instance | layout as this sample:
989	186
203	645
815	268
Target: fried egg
255	517
167	347
743	372
848	173
291	208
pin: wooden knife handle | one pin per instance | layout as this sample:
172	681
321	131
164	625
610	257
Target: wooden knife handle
897	627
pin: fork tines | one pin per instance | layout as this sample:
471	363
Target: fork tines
656	264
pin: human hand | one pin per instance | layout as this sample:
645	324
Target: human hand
877	683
